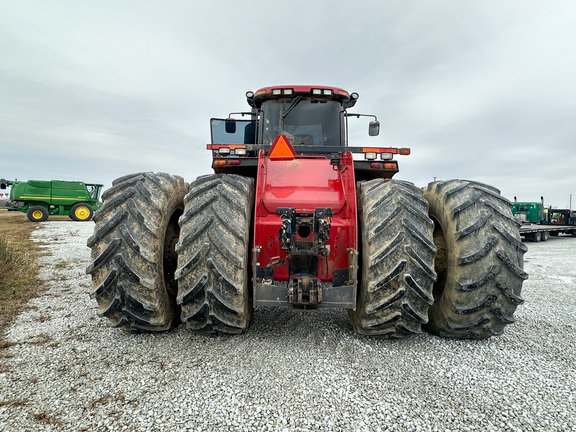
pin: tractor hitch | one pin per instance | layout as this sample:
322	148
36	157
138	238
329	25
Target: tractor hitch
304	224
303	237
305	291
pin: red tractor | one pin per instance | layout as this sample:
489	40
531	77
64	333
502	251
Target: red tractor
291	218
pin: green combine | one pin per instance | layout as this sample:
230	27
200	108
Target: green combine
41	198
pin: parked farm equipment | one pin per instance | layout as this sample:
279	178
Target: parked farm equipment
290	218
39	198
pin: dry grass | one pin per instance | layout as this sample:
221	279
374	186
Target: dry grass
107	398
41	339
46	418
14	402
19	270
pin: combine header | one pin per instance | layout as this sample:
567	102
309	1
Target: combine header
294	216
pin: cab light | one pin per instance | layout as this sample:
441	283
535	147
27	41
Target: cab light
322	92
370	155
240	152
386	156
219	162
405	151
224	150
286	91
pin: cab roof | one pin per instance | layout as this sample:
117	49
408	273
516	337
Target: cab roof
314	91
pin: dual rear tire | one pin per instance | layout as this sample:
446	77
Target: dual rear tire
447	259
164	252
466	284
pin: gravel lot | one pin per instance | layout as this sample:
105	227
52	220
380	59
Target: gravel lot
290	371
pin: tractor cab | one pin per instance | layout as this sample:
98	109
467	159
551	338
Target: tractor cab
314	120
306	116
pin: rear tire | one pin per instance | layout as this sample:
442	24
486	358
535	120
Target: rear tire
479	261
37	214
213	254
133	256
397	256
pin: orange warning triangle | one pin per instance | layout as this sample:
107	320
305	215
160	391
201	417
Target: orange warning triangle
281	149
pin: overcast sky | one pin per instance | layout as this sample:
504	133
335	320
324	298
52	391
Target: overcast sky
480	90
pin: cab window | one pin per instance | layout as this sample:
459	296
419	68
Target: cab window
245	132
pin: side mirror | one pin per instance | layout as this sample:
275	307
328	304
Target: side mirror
374	128
3	184
230	125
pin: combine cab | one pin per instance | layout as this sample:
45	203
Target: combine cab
294	216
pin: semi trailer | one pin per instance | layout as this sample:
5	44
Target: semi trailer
540	222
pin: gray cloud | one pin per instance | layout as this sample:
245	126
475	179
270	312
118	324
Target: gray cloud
479	90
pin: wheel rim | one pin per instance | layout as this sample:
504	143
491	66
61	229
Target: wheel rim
82	212
37	214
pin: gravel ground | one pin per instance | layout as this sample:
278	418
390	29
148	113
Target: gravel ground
290	371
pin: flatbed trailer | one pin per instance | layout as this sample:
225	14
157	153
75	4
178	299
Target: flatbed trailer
540	222
540	232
